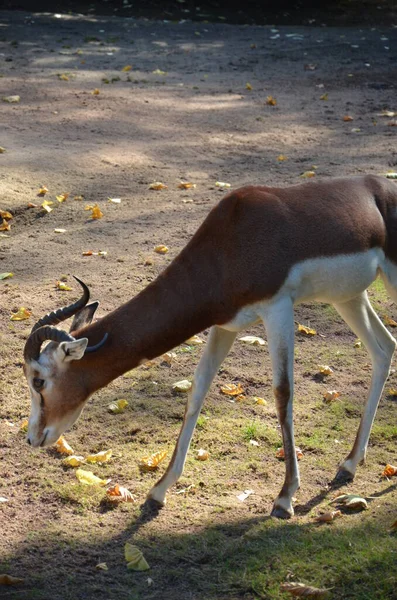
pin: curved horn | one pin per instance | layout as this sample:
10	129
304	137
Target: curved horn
36	338
67	311
98	345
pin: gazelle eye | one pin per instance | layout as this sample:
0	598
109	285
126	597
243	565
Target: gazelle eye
38	383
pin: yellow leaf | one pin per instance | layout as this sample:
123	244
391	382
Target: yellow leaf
350	501
328	517
260	401
78	198
306	330
102	567
24	426
95	92
324	97
195	340
6	276
392	392
161	249
303	591
182	386
118	407
126	68
10	580
5	226
282	157
389	471
63	447
253	340
325	370
248	87
232	389
61	285
347	118
150	463
159	72
22	314
115	200
63	77
42	191
222	184
202	454
62	197
11	99
4	214
389	321
99	457
308	174
59	230
271	101
96	212
47	205
186	185
357	344
88	478
2	150
135	559
157	185
117	493
73	461
331	395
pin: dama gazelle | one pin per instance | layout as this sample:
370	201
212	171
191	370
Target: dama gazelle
259	251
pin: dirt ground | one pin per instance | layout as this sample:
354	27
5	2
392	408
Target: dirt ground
107	107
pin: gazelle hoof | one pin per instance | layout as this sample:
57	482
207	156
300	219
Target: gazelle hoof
343	476
156	499
281	513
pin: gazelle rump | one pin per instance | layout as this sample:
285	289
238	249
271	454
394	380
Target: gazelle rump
260	251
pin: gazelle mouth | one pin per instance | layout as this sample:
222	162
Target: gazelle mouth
44	439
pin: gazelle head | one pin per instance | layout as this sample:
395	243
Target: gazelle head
58	391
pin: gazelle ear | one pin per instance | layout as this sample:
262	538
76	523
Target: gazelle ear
68	351
84	316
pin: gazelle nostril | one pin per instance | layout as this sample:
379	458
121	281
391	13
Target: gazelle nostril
28	441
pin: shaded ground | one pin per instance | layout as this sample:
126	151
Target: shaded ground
183	112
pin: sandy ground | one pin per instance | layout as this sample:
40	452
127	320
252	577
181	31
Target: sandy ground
192	107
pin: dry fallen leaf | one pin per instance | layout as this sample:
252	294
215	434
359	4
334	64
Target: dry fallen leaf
63	77
325	370
62	197
21	314
102	567
88	478
389	321
303	591
115	200
78	198
117	493
195	340
389	471
260	401
281	454
95	92
308	174
99	457
248	86
391	175
324	97
11	99
4	214
126	68
232	389
64	287
2	499
357	344
6	276
347	118
253	340
42	191
73	461
2	150
331	395
161	249
23	428
59	230
96	212
202	454
135	559
282	157
306	330
118	407
271	101
182	386
222	184
157	185
245	495
47	205
63	447
5	226
350	501
9	580
328	517
159	72
150	463
186	185
392	392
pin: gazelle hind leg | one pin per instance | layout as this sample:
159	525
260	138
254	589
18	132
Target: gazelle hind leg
218	345
279	323
362	319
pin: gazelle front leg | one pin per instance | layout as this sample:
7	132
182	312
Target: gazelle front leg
218	345
279	323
